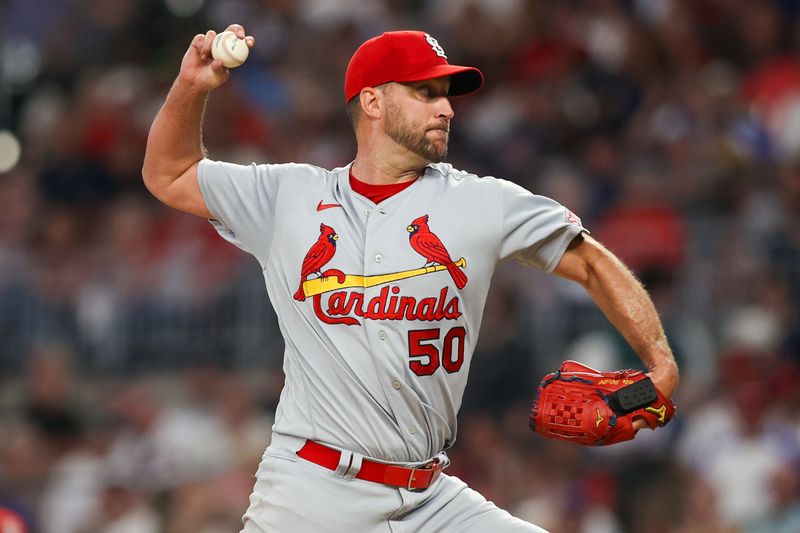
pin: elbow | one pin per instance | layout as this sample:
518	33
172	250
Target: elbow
150	180
156	182
159	176
160	172
146	177
597	264
582	261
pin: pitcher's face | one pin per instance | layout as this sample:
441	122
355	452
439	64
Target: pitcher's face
418	117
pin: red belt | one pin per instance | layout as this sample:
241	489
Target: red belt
415	479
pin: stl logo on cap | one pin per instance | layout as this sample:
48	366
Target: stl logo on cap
435	45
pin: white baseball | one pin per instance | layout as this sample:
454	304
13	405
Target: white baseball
230	49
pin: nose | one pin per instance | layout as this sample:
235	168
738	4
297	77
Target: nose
445	109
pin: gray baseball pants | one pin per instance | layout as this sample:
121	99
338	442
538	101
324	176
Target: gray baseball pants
292	495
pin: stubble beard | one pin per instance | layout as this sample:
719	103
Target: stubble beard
413	137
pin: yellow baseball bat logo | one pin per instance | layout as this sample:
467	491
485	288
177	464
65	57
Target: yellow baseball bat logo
330	283
598	420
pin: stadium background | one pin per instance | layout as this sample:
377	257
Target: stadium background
139	358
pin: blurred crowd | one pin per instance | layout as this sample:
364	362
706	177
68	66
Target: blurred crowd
140	362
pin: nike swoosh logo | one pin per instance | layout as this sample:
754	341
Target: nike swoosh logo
322	207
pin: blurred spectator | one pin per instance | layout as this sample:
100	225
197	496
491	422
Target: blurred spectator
643	229
71	494
24	466
784	515
158	448
50	396
739	441
248	429
502	369
699	508
123	511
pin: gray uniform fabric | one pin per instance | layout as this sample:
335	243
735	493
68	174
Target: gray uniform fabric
378	365
292	495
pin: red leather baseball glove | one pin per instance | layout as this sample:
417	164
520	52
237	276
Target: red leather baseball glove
582	405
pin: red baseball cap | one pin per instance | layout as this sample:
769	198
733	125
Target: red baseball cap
405	56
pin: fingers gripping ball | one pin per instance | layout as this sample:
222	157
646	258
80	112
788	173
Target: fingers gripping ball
579	404
230	49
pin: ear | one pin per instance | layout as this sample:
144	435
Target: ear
371	101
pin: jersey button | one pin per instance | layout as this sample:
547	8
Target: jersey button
382	335
379	258
367	212
396	385
412	430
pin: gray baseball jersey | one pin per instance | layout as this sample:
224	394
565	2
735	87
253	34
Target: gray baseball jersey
379	305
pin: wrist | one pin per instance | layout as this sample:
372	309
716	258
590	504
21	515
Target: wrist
665	377
188	88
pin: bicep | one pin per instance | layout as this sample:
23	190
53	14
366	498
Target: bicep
184	194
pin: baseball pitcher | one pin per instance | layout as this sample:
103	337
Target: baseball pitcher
378	272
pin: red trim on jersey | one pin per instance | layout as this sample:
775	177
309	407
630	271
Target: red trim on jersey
377	193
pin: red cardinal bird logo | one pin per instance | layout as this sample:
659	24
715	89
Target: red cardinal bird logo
318	255
428	245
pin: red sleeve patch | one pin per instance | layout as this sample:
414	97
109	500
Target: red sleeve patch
572	218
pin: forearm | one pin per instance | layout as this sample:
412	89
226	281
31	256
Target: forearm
174	143
626	304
